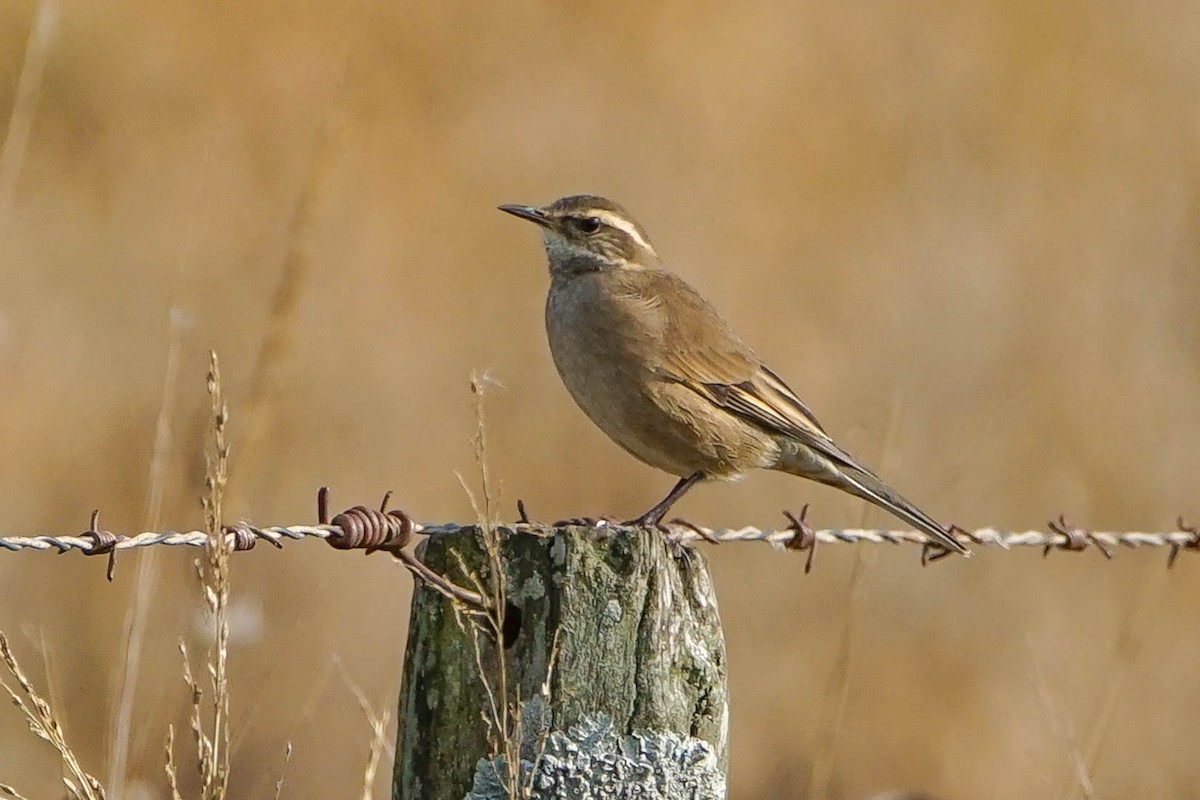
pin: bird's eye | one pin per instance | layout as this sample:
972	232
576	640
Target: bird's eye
589	224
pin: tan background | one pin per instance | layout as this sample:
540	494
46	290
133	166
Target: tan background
967	234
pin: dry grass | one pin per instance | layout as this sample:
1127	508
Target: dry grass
146	581
379	721
504	714
43	723
989	210
210	723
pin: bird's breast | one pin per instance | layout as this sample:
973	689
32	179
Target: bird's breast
602	346
606	345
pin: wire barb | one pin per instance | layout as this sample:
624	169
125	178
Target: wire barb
363	528
1192	545
371	529
803	536
103	543
1075	539
703	533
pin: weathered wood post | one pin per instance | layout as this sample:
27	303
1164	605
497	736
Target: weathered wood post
635	704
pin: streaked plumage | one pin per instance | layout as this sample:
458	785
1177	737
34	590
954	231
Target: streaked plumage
656	368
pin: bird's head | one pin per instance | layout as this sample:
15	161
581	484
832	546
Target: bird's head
585	233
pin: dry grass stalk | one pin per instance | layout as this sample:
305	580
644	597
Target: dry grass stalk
171	769
1060	724
146	582
379	746
495	715
210	726
379	722
44	724
9	793
215	772
502	715
543	730
833	706
287	759
1127	646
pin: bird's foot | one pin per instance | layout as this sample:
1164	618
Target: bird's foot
803	536
601	524
600	527
588	522
651	519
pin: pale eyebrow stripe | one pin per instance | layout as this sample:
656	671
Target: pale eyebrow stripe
622	225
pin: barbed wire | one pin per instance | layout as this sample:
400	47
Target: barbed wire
373	529
85	541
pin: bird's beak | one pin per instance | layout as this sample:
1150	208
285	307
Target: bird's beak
528	212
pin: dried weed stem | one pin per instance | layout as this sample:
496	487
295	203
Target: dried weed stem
210	726
45	725
379	721
504	712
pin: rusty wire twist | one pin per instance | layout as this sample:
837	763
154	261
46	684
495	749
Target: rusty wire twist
371	529
365	528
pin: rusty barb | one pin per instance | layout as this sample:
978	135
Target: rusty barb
374	529
1076	539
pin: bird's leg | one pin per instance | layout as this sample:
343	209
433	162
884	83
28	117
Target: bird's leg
654	516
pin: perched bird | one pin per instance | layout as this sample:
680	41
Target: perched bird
658	370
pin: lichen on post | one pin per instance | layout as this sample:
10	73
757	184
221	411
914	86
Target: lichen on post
615	671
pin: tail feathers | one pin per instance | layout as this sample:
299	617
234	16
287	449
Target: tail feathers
849	476
871	488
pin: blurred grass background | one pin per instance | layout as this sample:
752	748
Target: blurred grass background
968	235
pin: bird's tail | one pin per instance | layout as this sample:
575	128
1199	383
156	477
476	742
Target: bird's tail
863	483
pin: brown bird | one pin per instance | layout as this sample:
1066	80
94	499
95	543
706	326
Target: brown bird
658	370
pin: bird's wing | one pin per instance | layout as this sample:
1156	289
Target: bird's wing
700	351
697	349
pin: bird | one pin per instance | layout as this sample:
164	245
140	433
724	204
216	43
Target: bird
660	371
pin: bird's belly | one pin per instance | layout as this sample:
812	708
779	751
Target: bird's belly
663	424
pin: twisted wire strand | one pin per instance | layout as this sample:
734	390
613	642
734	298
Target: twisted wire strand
1064	539
86	542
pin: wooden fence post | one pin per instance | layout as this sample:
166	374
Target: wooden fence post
635	704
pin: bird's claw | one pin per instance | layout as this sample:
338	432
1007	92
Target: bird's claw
588	522
601	525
